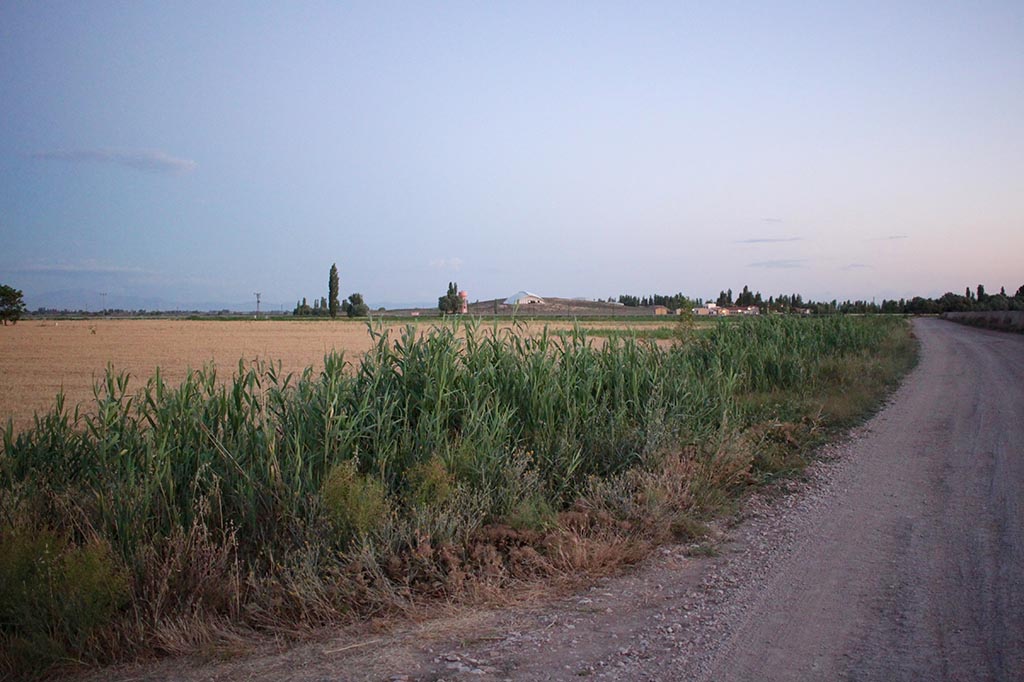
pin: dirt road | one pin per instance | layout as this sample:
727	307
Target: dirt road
901	557
915	570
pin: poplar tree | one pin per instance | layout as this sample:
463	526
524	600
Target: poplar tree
332	290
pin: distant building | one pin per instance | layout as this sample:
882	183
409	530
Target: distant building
713	310
707	310
524	298
740	310
660	310
463	302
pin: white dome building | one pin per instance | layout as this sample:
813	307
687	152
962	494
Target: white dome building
523	298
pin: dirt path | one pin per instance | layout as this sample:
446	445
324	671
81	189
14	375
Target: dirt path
914	570
900	557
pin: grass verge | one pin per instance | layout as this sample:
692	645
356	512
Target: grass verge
446	465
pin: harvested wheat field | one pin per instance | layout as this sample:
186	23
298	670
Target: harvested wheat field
38	358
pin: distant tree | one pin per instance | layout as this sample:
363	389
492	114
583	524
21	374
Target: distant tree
922	306
450	303
332	290
952	303
12	304
356	306
981	293
890	306
998	302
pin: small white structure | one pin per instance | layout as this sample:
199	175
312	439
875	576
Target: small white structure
523	298
709	309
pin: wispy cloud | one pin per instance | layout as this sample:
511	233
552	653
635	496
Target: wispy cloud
856	266
891	238
148	160
453	263
771	220
782	264
768	240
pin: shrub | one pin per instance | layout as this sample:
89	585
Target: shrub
532	513
355	504
430	484
55	597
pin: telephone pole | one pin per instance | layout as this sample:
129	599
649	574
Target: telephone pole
257	294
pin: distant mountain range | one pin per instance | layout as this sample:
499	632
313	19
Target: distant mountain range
93	301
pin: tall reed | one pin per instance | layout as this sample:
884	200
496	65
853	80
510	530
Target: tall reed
438	432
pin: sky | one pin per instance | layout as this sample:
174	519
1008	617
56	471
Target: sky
180	154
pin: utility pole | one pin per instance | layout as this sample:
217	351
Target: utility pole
103	298
257	294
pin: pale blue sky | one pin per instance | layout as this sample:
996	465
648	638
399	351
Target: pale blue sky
198	152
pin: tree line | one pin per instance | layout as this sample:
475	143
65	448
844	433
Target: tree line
971	300
330	306
674	301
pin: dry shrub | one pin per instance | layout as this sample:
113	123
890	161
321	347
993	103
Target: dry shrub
315	587
430	483
197	631
780	447
533	513
188	583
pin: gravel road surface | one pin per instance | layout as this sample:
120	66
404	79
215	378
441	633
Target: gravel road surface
914	569
899	556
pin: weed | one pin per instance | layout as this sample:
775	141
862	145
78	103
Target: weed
355	504
430	483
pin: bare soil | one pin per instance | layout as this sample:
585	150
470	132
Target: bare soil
898	556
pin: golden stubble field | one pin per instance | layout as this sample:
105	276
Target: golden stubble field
38	358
